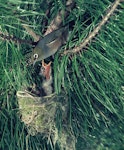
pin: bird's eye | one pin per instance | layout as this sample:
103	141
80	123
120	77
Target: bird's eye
35	56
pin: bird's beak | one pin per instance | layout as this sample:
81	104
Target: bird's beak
34	62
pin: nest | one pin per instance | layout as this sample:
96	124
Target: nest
44	114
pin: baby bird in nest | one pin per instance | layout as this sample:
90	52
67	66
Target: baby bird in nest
46	73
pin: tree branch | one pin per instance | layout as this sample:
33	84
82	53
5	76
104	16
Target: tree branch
15	39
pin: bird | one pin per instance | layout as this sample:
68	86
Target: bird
46	74
49	44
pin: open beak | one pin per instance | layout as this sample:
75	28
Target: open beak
47	70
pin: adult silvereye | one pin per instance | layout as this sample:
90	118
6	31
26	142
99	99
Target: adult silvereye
49	44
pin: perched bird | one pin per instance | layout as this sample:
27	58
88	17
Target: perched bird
49	44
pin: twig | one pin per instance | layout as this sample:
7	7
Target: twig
87	40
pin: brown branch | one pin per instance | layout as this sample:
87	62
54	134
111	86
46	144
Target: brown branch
87	40
15	39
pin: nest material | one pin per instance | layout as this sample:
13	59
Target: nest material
40	115
39	112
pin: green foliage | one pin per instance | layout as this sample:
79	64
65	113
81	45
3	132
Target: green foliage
93	78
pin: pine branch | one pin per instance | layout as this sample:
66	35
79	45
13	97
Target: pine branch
87	40
15	39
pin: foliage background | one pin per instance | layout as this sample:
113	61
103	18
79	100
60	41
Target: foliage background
93	79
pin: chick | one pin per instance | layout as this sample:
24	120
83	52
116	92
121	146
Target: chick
46	74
